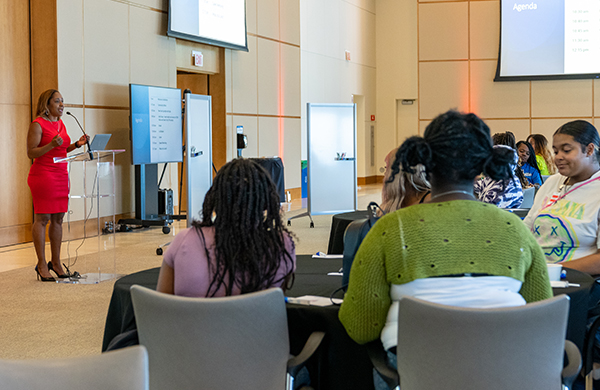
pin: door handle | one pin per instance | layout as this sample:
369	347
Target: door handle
194	153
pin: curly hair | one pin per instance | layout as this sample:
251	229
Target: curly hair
456	147
508	139
243	206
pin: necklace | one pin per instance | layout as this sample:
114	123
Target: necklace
453	192
45	116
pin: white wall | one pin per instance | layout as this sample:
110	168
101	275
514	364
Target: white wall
263	86
397	74
328	29
103	45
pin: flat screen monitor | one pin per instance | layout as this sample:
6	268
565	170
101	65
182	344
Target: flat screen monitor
549	39
155	123
214	22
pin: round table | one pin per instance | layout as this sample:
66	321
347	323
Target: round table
339	363
339	223
578	306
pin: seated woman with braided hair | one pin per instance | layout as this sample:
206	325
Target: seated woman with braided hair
239	246
452	250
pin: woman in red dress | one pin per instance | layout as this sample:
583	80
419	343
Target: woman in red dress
49	182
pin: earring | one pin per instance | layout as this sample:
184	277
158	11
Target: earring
46	112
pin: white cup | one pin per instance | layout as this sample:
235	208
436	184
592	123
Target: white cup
554	271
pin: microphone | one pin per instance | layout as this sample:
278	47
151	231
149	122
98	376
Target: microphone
86	140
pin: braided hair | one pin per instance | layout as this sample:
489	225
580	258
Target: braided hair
456	147
531	160
508	139
243	207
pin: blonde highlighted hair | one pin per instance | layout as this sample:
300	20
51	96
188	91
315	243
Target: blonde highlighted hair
543	149
43	101
395	186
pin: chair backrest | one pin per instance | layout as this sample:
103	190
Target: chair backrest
125	369
238	342
472	349
528	196
353	237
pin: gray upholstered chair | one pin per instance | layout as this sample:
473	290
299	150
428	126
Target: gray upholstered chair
494	349
528	197
238	342
125	369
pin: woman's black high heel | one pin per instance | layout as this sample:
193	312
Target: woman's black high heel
51	268
44	279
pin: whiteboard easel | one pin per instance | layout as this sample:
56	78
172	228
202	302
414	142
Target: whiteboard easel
332	188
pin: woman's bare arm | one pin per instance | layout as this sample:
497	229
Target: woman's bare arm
34	137
589	264
166	279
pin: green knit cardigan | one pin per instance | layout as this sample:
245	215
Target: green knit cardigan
438	239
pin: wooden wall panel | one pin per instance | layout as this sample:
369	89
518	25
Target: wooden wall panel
184	57
44	48
524	107
14	46
16	209
216	89
15	197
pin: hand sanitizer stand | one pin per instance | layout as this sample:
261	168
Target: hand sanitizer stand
92	203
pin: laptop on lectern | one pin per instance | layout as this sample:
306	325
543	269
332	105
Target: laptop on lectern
99	142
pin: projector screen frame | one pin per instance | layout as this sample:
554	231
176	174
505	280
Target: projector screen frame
204	40
570	76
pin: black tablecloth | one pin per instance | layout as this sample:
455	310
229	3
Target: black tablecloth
578	307
275	167
339	223
339	363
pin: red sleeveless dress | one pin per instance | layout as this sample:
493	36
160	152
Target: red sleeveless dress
49	182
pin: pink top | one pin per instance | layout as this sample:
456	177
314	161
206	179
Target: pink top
187	256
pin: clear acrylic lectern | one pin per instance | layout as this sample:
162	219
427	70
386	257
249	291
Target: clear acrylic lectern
92	206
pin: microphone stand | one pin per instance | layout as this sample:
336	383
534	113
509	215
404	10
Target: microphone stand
87	142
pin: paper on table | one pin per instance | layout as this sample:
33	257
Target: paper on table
313	300
323	256
562	284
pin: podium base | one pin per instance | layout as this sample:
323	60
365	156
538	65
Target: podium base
91	278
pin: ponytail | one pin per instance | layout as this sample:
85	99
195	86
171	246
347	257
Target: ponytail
414	151
498	165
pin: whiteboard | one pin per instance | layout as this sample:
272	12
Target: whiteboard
331	158
198	152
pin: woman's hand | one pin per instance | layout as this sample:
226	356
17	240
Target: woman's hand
56	141
82	140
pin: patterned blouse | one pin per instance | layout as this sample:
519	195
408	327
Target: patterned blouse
506	194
